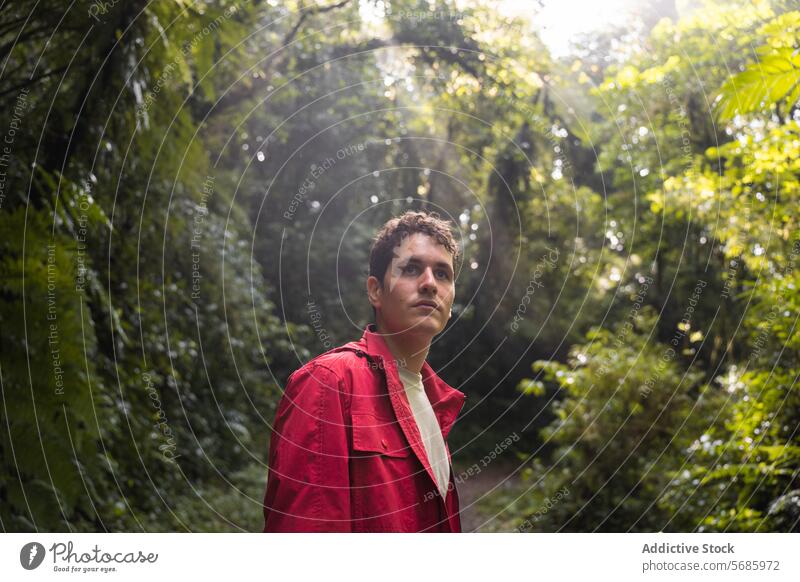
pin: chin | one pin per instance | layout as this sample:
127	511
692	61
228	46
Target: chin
428	328
415	328
415	325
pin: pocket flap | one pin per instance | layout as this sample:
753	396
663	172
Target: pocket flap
377	435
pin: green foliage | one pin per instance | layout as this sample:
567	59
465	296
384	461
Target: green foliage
743	475
731	463
109	414
51	394
773	78
624	412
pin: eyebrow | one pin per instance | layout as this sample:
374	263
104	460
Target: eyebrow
417	259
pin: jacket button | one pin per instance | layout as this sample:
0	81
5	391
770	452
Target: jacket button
384	443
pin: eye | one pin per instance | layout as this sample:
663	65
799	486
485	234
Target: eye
443	274
410	269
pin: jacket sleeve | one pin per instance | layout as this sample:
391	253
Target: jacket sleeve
308	484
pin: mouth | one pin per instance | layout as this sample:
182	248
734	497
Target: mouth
427	305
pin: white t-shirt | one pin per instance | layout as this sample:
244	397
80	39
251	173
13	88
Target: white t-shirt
428	427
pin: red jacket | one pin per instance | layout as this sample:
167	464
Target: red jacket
346	453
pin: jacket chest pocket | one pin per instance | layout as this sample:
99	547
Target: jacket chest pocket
374	436
382	463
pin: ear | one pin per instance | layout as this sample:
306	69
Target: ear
374	291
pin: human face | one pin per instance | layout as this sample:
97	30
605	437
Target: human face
418	288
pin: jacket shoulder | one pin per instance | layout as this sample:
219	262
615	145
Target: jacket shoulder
340	362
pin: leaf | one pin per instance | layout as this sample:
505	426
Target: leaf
764	83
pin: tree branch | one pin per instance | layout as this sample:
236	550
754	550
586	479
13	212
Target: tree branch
33	81
232	98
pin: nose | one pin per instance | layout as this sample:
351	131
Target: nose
427	282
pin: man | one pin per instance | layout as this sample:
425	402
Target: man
359	439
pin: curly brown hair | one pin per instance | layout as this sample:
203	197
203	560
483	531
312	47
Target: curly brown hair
395	230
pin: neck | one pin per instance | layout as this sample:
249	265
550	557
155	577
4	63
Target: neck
408	350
